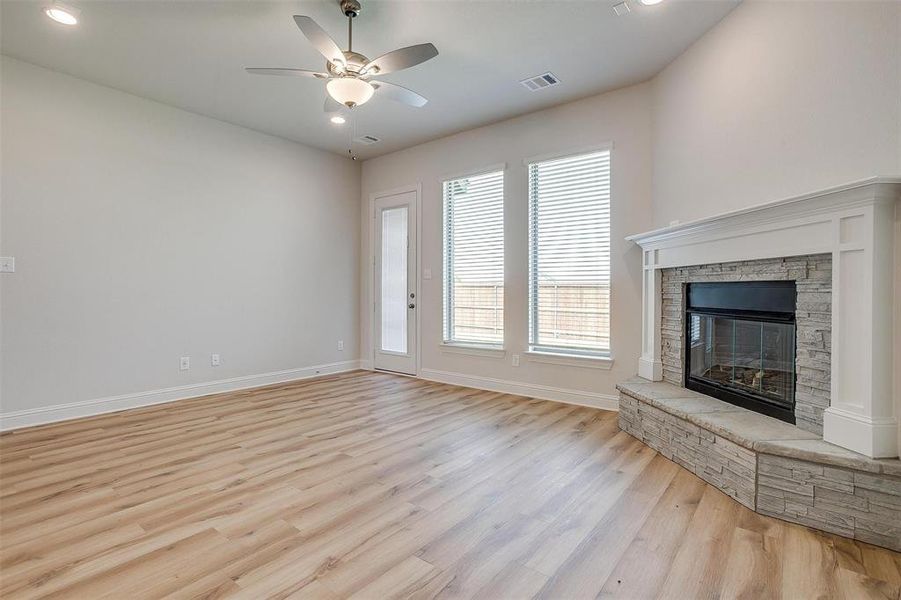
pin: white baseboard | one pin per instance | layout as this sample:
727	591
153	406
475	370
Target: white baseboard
532	390
98	406
873	437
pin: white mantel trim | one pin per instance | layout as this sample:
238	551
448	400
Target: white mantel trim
746	215
853	223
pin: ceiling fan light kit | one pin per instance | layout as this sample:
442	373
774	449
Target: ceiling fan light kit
350	91
349	74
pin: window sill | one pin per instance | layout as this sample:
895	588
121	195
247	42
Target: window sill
570	360
474	350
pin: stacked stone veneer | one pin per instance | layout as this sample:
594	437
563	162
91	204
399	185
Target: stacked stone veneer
851	503
713	458
813	277
836	490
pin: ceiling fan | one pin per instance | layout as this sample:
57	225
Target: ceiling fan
349	74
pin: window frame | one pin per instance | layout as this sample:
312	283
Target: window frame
448	343
546	352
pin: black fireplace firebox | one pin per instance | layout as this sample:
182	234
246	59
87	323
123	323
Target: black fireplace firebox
741	344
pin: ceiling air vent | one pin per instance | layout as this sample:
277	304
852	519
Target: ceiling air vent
540	81
621	9
366	139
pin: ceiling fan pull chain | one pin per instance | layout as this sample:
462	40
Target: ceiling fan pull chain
353	133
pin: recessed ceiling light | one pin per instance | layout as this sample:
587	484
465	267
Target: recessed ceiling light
650	2
338	120
61	13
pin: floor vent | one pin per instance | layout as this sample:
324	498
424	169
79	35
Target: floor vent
366	139
540	81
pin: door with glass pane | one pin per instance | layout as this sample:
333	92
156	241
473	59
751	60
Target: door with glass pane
395	283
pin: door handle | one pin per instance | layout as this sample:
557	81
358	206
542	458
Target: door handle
412	306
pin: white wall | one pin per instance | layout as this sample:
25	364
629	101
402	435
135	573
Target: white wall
779	99
897	318
143	233
622	117
116	206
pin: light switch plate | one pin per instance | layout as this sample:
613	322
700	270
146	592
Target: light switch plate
426	273
7	264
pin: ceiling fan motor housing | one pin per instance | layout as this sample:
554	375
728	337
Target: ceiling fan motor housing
353	64
350	8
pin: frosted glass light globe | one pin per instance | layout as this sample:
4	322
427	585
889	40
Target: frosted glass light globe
350	91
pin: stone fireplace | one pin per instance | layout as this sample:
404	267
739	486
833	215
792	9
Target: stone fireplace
767	357
837	246
810	325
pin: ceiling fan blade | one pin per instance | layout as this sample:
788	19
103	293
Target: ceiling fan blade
332	105
401	59
287	72
320	39
399	93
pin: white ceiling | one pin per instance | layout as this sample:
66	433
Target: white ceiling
191	54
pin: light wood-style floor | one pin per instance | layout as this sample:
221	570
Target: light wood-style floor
369	485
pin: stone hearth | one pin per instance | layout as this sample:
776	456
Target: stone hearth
836	469
769	466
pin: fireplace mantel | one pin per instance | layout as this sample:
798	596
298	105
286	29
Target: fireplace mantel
855	224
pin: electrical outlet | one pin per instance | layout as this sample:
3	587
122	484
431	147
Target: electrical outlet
184	363
7	264
215	361
516	360
341	345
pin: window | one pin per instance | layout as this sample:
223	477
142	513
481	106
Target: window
695	329
474	259
569	254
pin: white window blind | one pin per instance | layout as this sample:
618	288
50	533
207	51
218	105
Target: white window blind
569	254
474	259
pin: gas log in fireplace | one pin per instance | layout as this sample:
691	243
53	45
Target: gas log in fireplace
740	344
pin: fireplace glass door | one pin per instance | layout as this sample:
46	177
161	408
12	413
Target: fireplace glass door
749	357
